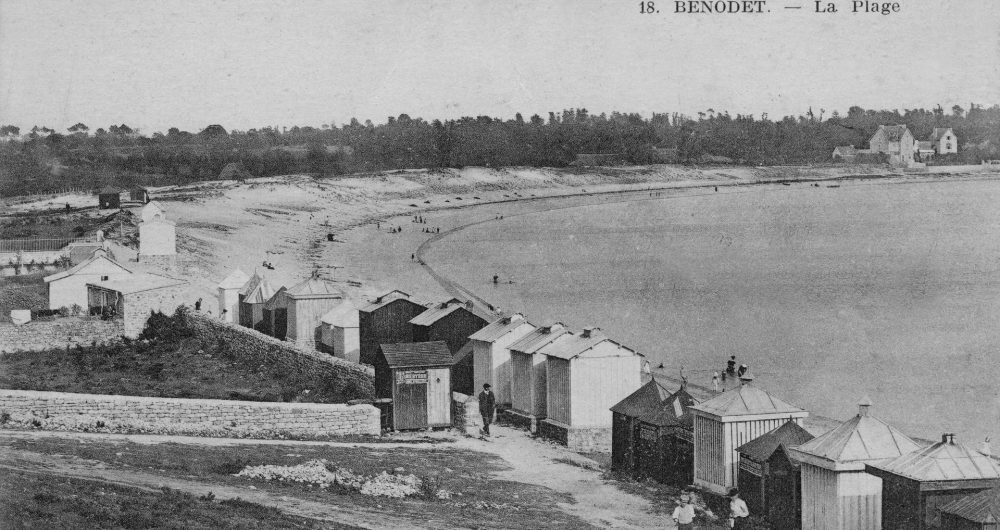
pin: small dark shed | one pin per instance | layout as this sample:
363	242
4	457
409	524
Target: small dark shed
386	320
979	511
755	477
139	195
276	315
664	448
452	322
109	197
417	376
916	485
625	422
783	490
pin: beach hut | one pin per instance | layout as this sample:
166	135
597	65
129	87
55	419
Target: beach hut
491	354
308	301
340	332
755	474
625	422
586	374
836	491
229	289
783	493
916	485
980	511
386	320
109	197
275	316
139	194
69	287
729	420
252	297
528	385
452	322
664	445
416	376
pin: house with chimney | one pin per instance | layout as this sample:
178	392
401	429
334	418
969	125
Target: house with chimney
896	141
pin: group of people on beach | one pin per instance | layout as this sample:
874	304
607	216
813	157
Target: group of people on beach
684	514
730	371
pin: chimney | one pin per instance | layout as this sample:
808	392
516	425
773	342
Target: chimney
587	332
468	304
948	438
863	406
984	447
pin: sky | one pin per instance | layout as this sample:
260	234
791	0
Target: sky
187	64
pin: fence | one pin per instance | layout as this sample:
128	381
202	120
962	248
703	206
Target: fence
37	245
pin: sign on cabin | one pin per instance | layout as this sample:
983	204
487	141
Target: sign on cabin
411	377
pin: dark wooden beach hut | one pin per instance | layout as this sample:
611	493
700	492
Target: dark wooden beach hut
452	322
755	475
139	194
109	197
386	320
625	422
417	377
276	315
783	490
916	485
979	511
664	447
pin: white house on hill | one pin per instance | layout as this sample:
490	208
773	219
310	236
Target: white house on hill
896	141
944	141
69	287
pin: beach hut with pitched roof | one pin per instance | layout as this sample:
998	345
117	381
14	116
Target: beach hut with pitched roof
491	354
340	332
109	197
625	422
980	511
275	321
755	479
386	320
586	374
664	448
729	420
308	301
453	322
252	297
528	387
229	294
416	376
837	493
69	287
916	485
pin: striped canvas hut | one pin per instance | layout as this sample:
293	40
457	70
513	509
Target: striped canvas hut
837	493
491	354
755	474
916	485
729	420
980	511
528	384
664	445
625	422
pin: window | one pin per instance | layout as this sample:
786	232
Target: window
104	278
947	145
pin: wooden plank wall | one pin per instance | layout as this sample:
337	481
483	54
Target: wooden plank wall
439	397
597	384
559	391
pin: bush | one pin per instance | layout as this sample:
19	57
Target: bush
4	417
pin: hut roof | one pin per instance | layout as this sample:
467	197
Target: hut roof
463	352
982	507
138	282
537	339
257	292
500	327
570	345
276	300
647	398
893	133
747	400
945	460
860	439
314	287
387	299
675	410
235	280
344	315
417	354
251	284
98	255
938	133
789	434
109	190
437	312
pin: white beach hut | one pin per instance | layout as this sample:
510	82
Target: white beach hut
229	299
528	375
339	332
491	354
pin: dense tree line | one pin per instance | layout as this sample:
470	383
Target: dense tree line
43	159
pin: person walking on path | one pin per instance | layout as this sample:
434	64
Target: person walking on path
197	305
739	515
487	406
715	381
684	513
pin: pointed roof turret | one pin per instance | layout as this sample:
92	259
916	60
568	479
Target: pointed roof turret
943	461
747	400
236	280
646	399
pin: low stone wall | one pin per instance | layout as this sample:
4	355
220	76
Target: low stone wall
256	349
583	439
25	409
58	333
465	415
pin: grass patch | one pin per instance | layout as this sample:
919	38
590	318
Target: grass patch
29	500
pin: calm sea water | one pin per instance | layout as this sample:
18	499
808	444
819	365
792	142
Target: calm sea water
829	294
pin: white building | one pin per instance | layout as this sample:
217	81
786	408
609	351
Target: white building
491	354
944	141
528	383
69	287
151	210
229	297
339	332
158	242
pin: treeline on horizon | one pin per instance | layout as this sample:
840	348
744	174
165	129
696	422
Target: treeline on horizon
43	160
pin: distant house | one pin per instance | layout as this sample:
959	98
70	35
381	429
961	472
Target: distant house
69	287
453	322
944	141
109	197
896	141
491	354
133	297
386	320
925	151
845	153
139	194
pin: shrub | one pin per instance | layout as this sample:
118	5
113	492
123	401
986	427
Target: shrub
4	417
64	311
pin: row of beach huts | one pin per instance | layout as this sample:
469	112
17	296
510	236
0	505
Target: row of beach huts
585	390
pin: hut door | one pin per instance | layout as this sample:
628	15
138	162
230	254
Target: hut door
280	323
410	404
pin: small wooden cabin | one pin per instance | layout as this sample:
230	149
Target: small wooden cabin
527	383
979	511
664	447
139	194
417	376
252	297
755	475
229	301
308	301
916	485
491	354
275	321
783	490
109	197
836	491
453	322
386	320
728	421
625	422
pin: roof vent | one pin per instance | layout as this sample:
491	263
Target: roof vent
588	332
864	405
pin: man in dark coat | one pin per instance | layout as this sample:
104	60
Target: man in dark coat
487	406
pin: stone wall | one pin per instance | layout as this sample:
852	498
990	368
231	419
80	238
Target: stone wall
138	307
465	414
27	409
59	333
255	348
583	439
